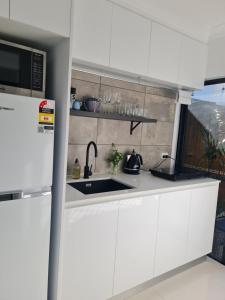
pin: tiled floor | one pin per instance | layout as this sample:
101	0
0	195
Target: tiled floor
205	281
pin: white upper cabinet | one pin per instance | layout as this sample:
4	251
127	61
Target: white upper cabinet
216	58
164	53
92	31
202	221
89	252
130	41
105	34
4	8
135	252
172	231
193	63
49	15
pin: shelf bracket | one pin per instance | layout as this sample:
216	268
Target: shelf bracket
133	127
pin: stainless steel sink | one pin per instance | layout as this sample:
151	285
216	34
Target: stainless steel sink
99	186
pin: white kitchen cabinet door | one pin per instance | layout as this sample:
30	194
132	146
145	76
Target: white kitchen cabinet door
193	63
130	41
89	252
216	59
202	221
164	53
92	31
4	8
136	240
172	231
49	15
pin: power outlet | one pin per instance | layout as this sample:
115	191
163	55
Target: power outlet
164	155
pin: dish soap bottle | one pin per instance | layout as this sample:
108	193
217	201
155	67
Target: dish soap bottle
72	97
76	169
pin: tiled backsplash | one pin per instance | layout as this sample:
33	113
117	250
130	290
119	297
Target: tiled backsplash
150	140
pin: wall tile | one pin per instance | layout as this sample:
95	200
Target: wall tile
85	76
169	93
160	133
123	84
160	108
150	140
82	130
118	132
102	166
79	151
152	155
125	138
149	134
86	88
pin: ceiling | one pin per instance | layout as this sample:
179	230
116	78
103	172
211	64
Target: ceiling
197	18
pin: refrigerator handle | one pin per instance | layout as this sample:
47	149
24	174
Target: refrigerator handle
11	196
22	195
36	194
6	108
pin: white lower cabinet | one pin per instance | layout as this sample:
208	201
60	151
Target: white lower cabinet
172	231
135	251
89	252
112	247
202	221
185	227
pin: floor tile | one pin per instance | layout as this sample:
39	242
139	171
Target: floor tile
205	281
149	294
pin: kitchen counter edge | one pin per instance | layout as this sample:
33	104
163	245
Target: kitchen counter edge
143	186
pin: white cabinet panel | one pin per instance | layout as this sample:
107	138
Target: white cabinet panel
164	53
193	62
89	252
172	231
202	221
4	8
216	59
130	41
136	239
92	31
50	15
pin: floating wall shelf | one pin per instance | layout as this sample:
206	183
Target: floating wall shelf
134	120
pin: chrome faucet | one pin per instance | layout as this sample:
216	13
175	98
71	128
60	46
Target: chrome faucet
87	170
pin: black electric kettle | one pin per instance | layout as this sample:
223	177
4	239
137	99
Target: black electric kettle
132	163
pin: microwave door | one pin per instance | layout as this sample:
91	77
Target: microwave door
26	152
15	68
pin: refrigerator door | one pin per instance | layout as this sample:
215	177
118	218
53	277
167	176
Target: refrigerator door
24	251
26	143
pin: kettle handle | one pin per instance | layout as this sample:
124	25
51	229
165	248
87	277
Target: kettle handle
141	159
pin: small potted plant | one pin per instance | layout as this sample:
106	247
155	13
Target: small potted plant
114	159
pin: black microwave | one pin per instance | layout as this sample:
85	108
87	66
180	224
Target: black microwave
22	70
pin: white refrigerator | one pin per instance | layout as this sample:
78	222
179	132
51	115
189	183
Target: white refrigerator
26	166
